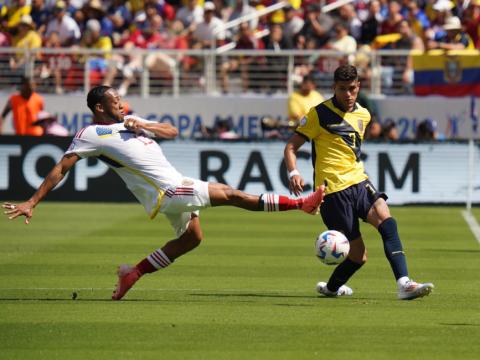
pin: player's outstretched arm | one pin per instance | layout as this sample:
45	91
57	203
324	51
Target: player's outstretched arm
53	178
296	182
158	130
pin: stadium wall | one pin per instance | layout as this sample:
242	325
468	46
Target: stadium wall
408	173
457	118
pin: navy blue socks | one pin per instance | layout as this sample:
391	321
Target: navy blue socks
393	247
342	273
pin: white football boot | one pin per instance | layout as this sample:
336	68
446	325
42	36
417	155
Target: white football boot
412	290
342	290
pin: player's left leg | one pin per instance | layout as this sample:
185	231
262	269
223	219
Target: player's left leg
221	194
379	216
190	234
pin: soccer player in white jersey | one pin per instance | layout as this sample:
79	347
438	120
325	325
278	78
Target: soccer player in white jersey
124	143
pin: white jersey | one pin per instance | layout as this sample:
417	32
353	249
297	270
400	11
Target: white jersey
137	159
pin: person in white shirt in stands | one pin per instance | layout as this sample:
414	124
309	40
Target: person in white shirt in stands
343	41
204	33
125	144
190	14
64	25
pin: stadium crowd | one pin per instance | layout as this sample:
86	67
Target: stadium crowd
190	24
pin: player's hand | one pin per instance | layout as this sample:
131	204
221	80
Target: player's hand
296	185
15	210
132	124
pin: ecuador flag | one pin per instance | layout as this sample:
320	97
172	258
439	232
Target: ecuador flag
452	73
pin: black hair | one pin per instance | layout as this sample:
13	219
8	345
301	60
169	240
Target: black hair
25	80
345	73
308	78
96	95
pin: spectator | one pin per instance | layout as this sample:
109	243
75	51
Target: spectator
301	101
224	131
389	26
373	131
40	15
472	22
147	37
25	107
389	131
242	8
120	16
56	64
418	20
26	38
50	125
206	32
93	9
190	14
371	26
64	25
408	41
93	39
293	23
453	39
342	41
426	130
245	41
317	25
349	16
15	13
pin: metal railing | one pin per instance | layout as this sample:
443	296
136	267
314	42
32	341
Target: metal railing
178	72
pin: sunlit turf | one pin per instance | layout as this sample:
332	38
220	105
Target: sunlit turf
248	292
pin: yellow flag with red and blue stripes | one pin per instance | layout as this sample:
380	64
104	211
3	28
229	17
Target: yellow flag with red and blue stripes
454	73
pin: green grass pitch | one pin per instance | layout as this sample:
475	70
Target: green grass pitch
248	292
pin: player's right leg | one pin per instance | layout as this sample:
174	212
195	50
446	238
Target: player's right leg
379	216
345	270
221	194
189	238
337	214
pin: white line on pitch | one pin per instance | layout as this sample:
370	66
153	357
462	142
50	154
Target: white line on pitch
472	223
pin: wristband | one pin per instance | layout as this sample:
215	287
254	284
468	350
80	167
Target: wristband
293	173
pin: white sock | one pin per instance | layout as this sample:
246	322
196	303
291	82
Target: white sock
158	259
402	281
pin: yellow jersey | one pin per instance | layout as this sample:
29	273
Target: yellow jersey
336	140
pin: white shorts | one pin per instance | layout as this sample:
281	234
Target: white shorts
180	202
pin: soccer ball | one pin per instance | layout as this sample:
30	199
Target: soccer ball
332	247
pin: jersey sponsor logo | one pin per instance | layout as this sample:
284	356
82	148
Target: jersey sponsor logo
103	131
303	121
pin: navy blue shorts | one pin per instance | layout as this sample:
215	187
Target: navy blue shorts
341	210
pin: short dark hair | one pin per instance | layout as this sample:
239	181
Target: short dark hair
345	73
308	78
96	95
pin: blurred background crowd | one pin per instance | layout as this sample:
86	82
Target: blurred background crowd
355	28
360	25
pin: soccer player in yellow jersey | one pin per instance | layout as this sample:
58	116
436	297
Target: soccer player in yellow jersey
336	128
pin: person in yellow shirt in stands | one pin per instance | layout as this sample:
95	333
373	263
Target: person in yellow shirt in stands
302	100
92	39
15	13
26	38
